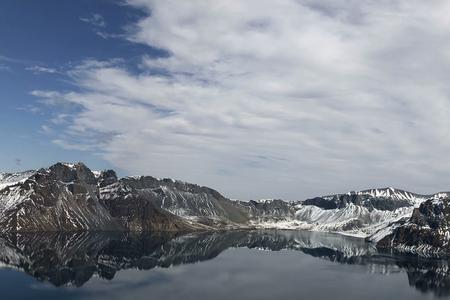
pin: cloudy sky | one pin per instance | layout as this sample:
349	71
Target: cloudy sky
259	99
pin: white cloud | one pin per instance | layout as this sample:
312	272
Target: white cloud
265	99
30	108
94	19
40	69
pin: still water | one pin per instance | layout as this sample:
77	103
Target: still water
228	265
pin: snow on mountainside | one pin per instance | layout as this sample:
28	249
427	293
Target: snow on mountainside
190	201
71	197
372	213
382	199
393	193
66	197
8	179
426	233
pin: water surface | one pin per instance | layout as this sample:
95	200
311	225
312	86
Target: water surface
227	265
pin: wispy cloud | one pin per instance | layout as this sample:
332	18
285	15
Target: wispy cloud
14	60
344	95
8	59
99	24
46	129
34	109
94	19
41	69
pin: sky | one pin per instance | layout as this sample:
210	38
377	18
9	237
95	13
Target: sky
259	99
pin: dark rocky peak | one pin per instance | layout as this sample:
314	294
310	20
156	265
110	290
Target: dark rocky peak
107	177
434	213
66	173
276	208
324	203
426	232
149	182
141	182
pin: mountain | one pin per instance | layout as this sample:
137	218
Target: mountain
268	208
360	213
190	201
8	179
425	233
70	197
381	199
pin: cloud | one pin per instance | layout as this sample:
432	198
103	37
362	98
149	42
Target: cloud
262	99
40	69
94	19
9	59
34	109
13	60
99	24
107	35
46	129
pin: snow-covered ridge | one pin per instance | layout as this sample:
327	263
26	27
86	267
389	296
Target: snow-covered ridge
394	193
389	192
351	220
166	179
269	200
9	179
70	165
70	191
370	213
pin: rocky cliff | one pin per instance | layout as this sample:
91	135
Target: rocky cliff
425	233
70	197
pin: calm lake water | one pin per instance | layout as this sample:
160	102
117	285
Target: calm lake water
232	265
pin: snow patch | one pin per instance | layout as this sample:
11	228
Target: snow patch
10	179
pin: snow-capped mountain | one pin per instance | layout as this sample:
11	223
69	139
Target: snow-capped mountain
192	202
426	233
382	199
8	179
71	197
371	214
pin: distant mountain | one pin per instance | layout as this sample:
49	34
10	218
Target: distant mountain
70	197
382	199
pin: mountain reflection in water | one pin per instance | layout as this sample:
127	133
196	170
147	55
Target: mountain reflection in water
73	259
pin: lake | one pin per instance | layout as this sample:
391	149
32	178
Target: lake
219	265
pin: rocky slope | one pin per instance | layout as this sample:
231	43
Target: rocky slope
425	233
71	197
192	202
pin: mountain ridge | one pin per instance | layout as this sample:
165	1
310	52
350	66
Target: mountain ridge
71	197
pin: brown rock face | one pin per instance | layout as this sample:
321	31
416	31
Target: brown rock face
70	198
